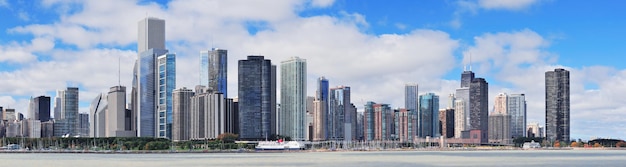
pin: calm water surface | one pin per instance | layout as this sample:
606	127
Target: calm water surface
348	159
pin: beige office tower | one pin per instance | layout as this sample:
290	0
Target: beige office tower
116	115
500	104
459	117
181	114
319	120
151	34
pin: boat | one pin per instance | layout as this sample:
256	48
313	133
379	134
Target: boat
280	145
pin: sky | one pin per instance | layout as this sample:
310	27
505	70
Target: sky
375	47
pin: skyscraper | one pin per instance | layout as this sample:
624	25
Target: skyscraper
501	103
479	109
213	70
146	96
368	121
151	34
557	105
97	117
319	120
516	108
70	111
499	128
340	117
257	108
41	108
208	114
115	121
181	114
428	116
58	104
405	125
446	122
411	97
383	122
166	67
323	90
293	98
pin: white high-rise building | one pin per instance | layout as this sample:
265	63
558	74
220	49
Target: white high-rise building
459	117
292	120
151	34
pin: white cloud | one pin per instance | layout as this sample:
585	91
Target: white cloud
518	61
4	3
322	3
506	4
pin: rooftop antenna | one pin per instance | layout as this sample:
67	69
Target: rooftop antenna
119	70
470	63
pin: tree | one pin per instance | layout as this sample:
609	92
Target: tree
621	144
557	144
574	144
228	137
597	145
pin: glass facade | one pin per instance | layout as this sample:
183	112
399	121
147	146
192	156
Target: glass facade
255	93
213	70
293	99
339	112
410	97
557	105
517	109
166	85
70	111
147	92
428	116
322	95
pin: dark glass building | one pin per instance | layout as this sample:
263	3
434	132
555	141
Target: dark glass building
43	108
257	109
557	105
479	109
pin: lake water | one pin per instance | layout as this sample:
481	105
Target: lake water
348	159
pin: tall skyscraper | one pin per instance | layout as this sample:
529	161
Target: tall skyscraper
368	121
340	117
411	97
151	34
70	111
97	116
58	104
319	120
166	67
181	114
479	109
146	96
323	91
213	70
557	105
293	98
257	108
516	108
83	124
466	78
382	122
428	116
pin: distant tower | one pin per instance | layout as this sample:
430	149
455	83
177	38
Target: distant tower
557	105
516	107
213	70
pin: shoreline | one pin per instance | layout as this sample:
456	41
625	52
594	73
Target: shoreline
282	151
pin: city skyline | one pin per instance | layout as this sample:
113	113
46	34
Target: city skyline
56	41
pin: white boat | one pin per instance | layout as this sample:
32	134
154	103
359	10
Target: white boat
531	145
279	145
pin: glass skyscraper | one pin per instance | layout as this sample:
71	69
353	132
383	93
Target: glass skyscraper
411	97
340	117
557	105
428	116
517	109
145	94
166	85
213	70
293	98
322	92
256	107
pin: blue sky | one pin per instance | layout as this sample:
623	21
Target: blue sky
373	46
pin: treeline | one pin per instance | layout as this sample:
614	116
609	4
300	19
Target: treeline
225	141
